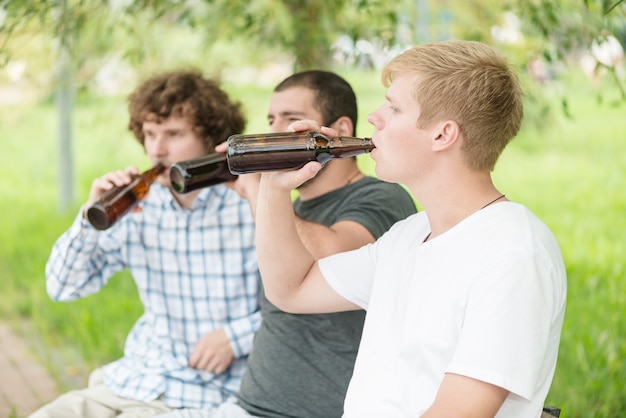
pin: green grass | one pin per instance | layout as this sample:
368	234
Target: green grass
573	176
570	172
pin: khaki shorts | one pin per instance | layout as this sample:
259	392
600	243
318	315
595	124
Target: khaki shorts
98	401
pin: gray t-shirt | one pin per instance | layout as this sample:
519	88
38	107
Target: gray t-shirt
300	365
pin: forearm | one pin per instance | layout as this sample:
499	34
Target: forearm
317	237
322	241
72	270
247	186
284	261
241	332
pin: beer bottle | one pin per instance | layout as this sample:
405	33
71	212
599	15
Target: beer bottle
197	173
118	201
289	150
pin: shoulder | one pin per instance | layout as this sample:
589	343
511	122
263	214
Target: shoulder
375	189
510	231
517	222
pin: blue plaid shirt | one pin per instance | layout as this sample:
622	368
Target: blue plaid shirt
196	272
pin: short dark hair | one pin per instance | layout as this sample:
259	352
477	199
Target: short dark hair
187	93
334	96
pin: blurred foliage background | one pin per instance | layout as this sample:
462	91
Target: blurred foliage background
69	47
66	67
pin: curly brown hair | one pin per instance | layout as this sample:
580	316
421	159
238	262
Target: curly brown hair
186	93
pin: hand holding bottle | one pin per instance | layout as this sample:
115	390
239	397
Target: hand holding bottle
117	193
292	179
277	151
108	181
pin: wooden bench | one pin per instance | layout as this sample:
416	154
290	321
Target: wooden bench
550	412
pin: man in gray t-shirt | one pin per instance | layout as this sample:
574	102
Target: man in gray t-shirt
300	365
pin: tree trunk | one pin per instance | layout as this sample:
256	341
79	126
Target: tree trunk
312	45
64	104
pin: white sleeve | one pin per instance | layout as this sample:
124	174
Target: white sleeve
351	274
509	324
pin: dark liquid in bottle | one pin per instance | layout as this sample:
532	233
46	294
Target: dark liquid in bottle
275	152
198	173
103	215
118	201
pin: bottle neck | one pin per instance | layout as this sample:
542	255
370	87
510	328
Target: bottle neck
151	175
197	173
289	150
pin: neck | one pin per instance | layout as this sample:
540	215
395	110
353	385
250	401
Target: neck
450	202
185	200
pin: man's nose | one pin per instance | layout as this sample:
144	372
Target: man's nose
279	127
374	118
159	145
280	124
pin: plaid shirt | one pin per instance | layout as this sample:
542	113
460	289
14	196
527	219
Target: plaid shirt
195	271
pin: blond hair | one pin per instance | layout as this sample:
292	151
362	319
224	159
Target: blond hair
470	83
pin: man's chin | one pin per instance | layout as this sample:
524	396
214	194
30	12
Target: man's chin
164	179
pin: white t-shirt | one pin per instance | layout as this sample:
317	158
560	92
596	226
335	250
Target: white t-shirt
484	300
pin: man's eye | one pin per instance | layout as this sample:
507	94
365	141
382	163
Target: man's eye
393	108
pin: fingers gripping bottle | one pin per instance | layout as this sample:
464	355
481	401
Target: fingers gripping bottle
120	200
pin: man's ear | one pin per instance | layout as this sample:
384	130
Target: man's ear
446	134
343	126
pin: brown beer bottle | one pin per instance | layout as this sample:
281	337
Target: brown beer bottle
197	173
118	201
289	150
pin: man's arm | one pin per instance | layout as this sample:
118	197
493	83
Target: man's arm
322	240
464	397
77	266
290	275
